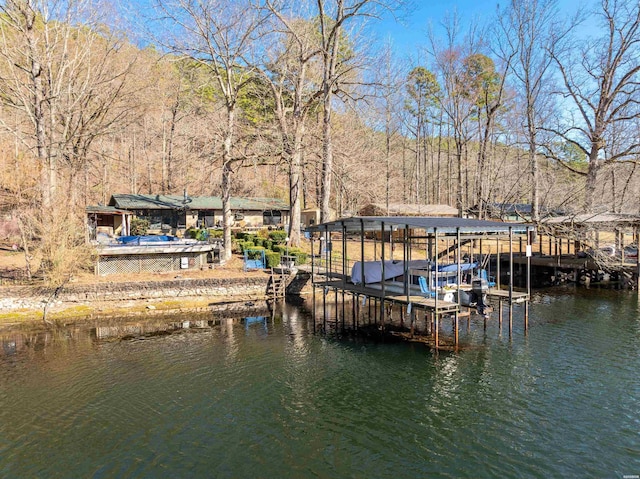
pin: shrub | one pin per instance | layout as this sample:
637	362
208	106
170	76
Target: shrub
263	233
258	241
272	259
279	248
278	236
246	245
268	244
216	233
301	256
139	226
255	253
197	234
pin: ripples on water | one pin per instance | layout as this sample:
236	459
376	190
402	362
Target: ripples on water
270	399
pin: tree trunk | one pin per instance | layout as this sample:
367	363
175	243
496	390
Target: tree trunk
227	172
296	186
327	159
592	179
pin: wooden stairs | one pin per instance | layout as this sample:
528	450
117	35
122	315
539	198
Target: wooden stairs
278	282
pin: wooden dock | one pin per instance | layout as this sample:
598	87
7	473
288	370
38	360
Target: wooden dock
385	285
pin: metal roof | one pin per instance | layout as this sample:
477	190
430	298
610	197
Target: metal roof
431	224
177	202
105	210
593	219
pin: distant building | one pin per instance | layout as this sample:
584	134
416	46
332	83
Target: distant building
513	212
175	213
402	209
311	216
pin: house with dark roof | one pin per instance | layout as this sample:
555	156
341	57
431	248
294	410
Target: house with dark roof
174	213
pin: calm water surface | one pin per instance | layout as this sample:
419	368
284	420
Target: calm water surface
268	398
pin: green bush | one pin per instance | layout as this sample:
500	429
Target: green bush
301	256
255	253
216	233
197	234
139	226
246	245
278	236
263	233
258	241
279	248
268	244
272	259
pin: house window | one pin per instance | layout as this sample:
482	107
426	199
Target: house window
272	218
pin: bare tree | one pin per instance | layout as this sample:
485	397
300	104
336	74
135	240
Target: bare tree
602	83
333	17
67	76
389	85
456	102
295	92
222	37
525	33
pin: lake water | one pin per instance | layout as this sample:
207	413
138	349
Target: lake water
269	398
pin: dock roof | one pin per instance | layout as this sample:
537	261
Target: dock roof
431	225
595	219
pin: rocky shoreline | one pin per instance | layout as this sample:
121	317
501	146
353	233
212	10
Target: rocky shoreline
77	301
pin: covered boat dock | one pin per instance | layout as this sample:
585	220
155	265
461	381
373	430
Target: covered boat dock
431	275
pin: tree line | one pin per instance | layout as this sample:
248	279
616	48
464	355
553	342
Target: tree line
300	100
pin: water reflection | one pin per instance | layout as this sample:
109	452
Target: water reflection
228	395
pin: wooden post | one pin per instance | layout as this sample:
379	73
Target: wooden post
455	328
636	234
324	309
335	304
510	319
511	278
344	312
362	252
354	303
499	249
313	301
412	319
313	287
382	301
529	248
435	329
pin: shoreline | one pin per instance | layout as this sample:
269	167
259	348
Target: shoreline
76	302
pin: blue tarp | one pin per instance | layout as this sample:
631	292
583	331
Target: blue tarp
146	239
452	268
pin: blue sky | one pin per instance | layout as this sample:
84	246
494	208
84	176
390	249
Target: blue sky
412	31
